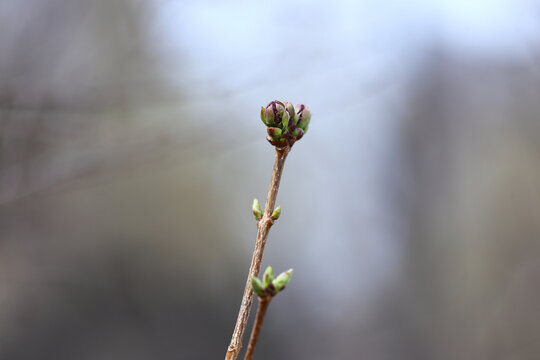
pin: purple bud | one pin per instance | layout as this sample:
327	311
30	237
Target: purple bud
292	113
286	123
269	116
304	116
274	113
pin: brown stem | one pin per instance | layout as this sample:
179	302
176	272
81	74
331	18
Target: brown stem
261	311
263	227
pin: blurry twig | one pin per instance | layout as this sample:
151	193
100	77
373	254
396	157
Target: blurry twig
259	318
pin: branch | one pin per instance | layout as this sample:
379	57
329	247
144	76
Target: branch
261	312
285	124
263	227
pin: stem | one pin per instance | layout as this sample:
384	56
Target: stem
263	227
261	311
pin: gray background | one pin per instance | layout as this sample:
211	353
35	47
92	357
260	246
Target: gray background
131	149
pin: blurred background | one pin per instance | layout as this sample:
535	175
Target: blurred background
131	149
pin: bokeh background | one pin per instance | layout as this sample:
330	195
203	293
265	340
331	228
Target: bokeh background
131	149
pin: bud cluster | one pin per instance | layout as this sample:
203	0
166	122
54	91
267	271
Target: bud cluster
286	123
270	286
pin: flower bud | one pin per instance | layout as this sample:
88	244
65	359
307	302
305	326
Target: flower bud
263	116
275	133
269	116
272	115
298	133
290	109
286	123
304	116
292	115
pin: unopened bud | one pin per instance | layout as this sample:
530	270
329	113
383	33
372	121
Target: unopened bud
257	212
276	213
275	133
268	116
282	279
292	112
286	123
304	116
263	116
285	120
268	277
273	113
257	286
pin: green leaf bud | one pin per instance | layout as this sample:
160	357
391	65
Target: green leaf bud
268	277
282	279
257	286
276	213
257	212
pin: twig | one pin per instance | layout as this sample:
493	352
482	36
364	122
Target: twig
263	227
261	312
285	124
